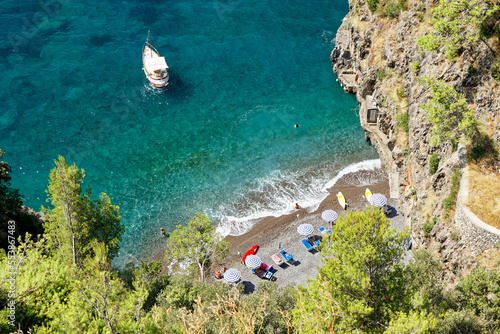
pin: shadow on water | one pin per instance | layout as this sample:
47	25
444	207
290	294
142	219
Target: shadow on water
100	40
177	90
144	12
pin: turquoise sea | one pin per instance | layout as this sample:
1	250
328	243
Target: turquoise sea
219	139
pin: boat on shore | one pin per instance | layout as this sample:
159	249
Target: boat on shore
155	67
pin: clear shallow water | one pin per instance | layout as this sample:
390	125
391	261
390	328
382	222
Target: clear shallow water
220	139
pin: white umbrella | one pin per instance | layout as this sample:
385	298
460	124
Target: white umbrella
378	200
253	261
305	229
232	275
330	216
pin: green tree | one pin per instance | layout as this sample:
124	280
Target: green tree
197	245
448	111
41	283
480	293
413	323
425	283
76	219
456	24
361	285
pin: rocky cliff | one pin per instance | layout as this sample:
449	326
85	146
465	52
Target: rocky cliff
383	55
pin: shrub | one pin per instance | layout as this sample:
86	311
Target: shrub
403	4
495	71
483	147
449	112
403	121
372	4
428	226
433	164
428	42
451	200
400	92
392	10
415	66
381	74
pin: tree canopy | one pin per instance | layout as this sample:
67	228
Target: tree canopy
361	284
197	245
457	24
448	111
76	219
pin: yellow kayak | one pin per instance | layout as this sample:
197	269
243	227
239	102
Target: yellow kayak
342	202
368	194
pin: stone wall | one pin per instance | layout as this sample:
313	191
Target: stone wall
473	231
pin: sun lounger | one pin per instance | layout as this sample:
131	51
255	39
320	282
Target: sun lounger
269	274
277	259
307	245
259	272
313	240
324	231
286	256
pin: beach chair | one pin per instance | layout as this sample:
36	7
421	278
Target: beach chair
314	242
277	259
307	245
269	275
324	231
260	272
287	257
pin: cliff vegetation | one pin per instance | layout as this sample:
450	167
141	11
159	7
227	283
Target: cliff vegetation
432	70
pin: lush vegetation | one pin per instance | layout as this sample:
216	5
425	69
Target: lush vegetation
451	200
64	282
458	24
433	164
403	121
197	244
449	112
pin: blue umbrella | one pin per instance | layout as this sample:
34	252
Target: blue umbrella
253	261
378	200
305	229
330	216
232	275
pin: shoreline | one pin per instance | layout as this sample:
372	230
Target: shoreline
273	234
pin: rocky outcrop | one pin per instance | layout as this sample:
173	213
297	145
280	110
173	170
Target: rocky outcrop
384	55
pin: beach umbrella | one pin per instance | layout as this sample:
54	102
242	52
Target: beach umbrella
232	275
253	261
330	216
305	229
378	200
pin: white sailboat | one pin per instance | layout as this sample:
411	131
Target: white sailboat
154	66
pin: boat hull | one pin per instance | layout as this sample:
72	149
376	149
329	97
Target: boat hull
157	83
148	54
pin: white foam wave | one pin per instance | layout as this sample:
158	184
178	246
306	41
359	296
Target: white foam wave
363	165
276	195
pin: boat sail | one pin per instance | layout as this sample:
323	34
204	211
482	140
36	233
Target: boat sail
154	66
